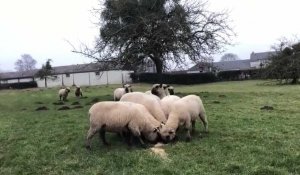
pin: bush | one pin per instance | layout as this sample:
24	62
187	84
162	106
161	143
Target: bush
20	85
171	78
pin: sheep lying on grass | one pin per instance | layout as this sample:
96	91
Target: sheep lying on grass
78	91
149	101
119	92
184	112
120	117
63	93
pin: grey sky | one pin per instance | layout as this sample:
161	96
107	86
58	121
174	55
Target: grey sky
40	27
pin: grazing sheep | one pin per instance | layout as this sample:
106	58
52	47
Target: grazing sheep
119	92
78	91
149	101
184	112
167	103
63	93
120	117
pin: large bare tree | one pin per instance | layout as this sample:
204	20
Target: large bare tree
25	63
162	30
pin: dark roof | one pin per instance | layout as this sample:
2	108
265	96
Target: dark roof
226	65
79	68
196	67
232	65
261	56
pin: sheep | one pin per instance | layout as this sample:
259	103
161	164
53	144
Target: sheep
120	117
149	101
158	90
63	93
171	90
119	92
184	112
78	91
167	102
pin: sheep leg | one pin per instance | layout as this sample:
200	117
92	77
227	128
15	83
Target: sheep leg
204	121
187	127
90	134
137	133
102	136
193	126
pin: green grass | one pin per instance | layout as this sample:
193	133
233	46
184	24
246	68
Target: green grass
242	140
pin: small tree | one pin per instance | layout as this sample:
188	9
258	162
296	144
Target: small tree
45	71
25	63
229	57
285	64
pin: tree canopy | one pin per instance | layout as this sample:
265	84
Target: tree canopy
162	30
25	63
45	71
229	57
285	64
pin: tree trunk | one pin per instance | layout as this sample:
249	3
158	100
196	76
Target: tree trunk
45	82
158	64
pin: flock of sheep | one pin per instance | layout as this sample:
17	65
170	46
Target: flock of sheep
151	116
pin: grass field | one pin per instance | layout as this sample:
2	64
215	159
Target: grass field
243	139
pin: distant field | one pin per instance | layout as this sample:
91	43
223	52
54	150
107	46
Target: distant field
242	139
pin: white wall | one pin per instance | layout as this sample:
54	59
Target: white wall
89	79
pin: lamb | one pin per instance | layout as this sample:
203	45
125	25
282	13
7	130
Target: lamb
119	92
184	112
167	103
120	117
63	93
78	91
149	101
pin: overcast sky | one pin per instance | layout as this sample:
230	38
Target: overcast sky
41	27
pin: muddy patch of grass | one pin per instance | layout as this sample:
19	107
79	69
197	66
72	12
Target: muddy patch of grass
42	108
64	108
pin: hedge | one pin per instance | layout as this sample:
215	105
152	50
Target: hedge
20	85
168	78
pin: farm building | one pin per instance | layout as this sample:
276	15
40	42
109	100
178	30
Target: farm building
80	75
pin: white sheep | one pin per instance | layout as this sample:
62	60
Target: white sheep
167	103
63	93
119	92
151	103
184	112
78	91
120	117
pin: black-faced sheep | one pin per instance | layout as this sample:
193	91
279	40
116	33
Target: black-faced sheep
184	112
78	91
158	90
63	93
120	117
119	92
151	103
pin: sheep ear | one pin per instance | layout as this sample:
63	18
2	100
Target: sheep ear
160	85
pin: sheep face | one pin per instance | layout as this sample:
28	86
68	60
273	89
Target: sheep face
167	134
68	89
171	90
158	90
152	135
127	88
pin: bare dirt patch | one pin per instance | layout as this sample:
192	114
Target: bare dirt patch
42	108
64	108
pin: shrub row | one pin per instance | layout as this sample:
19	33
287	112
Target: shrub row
20	85
168	78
